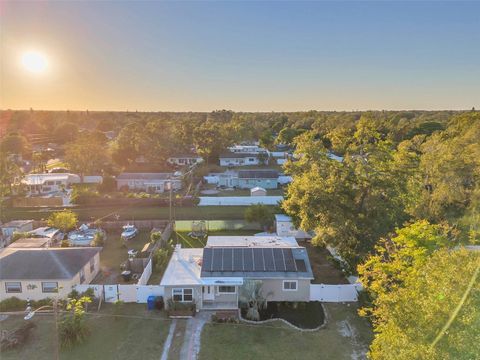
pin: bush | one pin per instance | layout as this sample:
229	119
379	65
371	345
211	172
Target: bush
160	258
82	194
13	304
180	306
98	239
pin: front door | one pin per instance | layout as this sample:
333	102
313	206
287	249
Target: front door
208	293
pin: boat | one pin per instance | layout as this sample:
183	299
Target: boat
129	232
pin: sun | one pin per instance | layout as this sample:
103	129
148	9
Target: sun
34	61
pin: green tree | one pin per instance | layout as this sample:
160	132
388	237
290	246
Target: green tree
436	314
65	132
261	214
396	258
65	220
351	204
252	296
86	155
13	143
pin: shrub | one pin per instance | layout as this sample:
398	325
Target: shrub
19	235
12	304
73	328
99	239
160	258
174	306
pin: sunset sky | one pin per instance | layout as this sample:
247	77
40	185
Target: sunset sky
243	56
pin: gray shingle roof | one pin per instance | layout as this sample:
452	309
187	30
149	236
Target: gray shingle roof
258	174
38	264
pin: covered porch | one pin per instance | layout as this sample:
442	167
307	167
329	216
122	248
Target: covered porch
220	293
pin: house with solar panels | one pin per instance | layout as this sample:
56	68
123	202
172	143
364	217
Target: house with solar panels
212	277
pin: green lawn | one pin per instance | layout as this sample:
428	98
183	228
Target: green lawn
186	241
346	336
137	213
138	334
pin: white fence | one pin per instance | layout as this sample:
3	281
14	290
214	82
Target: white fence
239	200
126	293
334	293
147	271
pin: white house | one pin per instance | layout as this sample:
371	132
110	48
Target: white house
185	159
247	149
149	182
49	182
238	159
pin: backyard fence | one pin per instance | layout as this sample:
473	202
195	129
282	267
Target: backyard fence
215	225
147	271
128	293
334	293
239	200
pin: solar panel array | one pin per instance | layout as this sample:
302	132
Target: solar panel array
219	259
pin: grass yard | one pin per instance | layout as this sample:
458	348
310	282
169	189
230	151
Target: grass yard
178	339
189	242
346	336
138	334
128	213
114	253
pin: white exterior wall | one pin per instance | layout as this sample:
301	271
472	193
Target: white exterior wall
242	161
32	289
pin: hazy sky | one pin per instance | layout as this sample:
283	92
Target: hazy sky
251	56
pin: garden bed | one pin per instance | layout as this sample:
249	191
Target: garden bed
304	315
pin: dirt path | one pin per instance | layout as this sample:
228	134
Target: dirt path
191	344
168	341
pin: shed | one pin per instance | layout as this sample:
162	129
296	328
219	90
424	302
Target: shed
258	191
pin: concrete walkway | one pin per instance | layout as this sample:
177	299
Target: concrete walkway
191	343
168	342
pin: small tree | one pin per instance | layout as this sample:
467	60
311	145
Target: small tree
261	214
98	239
160	258
65	220
251	295
73	328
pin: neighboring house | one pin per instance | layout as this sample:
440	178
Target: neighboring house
258	191
40	184
149	182
35	274
248	179
212	277
267	179
185	159
247	149
238	159
48	232
284	227
14	226
35	242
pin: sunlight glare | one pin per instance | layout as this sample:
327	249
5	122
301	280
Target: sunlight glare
34	62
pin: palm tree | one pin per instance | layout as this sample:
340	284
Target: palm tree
251	295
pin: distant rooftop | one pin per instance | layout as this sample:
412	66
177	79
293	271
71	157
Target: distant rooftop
258	174
30	243
232	155
145	176
282	217
16	223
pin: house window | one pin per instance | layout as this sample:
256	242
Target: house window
82	276
227	289
49	287
182	295
92	265
13	287
290	285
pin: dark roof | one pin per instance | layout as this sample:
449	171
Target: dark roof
144	176
37	264
257	174
256	262
236	155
